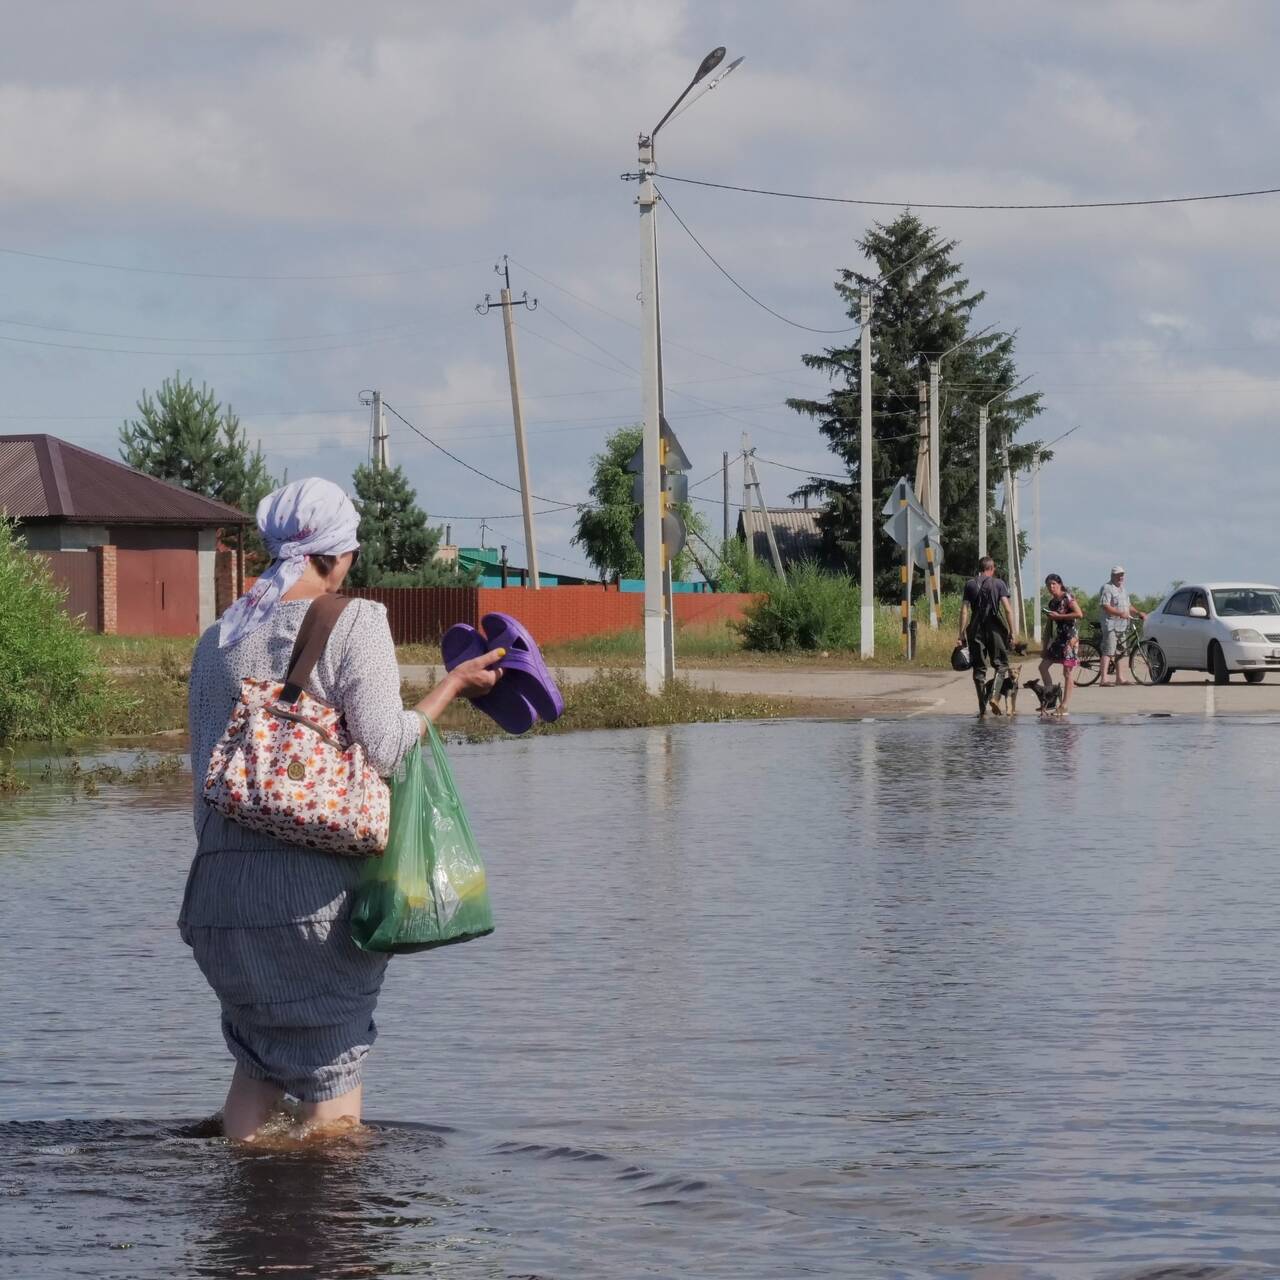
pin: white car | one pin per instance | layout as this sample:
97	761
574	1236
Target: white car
1222	627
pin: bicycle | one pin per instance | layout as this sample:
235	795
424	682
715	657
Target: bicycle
1146	660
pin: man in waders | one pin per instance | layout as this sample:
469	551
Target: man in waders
986	626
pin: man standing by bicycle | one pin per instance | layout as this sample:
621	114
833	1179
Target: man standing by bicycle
1117	614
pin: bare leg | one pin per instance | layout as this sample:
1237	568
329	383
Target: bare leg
1068	683
346	1106
248	1106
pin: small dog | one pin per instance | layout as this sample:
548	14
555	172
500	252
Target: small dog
1005	690
1050	698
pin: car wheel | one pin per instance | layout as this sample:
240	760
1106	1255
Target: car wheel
1148	664
1255	677
1090	665
1218	664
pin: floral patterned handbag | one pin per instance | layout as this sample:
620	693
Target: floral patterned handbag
286	764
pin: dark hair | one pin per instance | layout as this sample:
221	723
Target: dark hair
986	563
324	564
1053	577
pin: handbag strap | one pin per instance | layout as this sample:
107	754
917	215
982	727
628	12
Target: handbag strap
313	635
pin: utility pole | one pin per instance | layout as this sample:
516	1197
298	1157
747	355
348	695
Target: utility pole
935	453
1011	537
725	547
982	481
866	575
1035	493
748	521
925	470
749	468
483	527
517	413
651	397
377	430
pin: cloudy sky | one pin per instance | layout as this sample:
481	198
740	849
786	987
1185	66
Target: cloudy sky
311	197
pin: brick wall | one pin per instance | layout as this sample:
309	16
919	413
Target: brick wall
224	580
107	619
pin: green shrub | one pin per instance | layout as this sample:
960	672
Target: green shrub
50	681
738	572
812	609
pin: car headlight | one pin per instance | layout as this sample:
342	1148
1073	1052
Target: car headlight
1248	635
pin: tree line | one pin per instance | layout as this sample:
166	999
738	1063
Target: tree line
923	306
184	435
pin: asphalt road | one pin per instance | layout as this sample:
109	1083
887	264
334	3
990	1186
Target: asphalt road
902	691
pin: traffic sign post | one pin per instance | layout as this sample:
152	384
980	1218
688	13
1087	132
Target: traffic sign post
916	532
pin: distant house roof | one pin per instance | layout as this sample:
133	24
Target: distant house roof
44	478
794	528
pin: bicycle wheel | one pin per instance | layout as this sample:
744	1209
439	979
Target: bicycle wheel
1146	662
1141	664
1090	664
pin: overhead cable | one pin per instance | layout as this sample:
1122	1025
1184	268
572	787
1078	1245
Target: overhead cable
484	475
236	275
741	288
926	204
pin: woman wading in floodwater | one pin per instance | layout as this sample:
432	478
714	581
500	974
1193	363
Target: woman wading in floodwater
268	920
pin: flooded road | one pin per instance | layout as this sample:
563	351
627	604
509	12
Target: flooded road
904	999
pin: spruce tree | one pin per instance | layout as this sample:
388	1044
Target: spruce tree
396	542
186	437
923	307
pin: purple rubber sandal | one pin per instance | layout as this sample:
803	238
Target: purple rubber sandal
505	704
524	664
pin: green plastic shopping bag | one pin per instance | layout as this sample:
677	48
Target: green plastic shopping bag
428	887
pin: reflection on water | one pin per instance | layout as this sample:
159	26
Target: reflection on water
921	998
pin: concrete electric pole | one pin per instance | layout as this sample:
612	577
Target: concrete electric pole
866	574
517	412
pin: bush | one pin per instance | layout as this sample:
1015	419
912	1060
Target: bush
50	682
738	572
812	609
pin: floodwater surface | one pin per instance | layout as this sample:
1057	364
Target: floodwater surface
924	998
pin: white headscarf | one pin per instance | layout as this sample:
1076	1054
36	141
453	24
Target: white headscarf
310	517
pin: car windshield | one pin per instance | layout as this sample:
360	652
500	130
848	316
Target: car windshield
1246	602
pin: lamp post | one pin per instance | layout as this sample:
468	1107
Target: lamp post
658	656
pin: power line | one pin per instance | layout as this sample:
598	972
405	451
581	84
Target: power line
667	342
139	351
160	337
476	470
925	204
238	275
795	324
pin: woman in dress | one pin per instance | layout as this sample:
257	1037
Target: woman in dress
268	920
1064	644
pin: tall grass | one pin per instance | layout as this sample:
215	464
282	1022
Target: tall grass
811	609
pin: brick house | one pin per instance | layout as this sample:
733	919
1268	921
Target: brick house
137	555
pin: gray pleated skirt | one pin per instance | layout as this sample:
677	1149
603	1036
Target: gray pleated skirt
269	930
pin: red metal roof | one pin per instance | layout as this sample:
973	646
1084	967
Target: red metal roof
44	478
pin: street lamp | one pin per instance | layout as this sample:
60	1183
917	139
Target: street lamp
659	657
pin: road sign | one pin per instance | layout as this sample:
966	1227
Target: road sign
673	533
677	489
677	459
910	525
